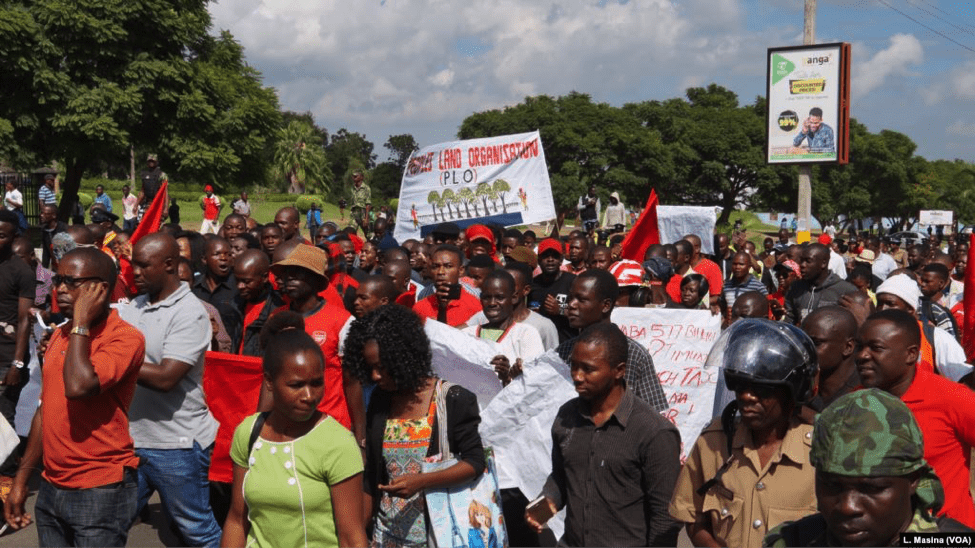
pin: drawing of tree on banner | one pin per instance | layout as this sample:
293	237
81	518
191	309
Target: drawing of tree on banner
466	196
448	200
501	187
434	200
485	192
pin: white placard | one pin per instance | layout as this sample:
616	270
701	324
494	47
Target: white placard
675	222
679	342
502	180
463	359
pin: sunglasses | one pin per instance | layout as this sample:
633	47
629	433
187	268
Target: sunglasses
71	281
760	390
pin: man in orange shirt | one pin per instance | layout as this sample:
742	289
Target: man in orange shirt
89	491
450	304
302	280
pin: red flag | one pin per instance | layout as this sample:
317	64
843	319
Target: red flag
232	385
644	233
968	333
153	215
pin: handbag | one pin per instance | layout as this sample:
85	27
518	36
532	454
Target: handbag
476	503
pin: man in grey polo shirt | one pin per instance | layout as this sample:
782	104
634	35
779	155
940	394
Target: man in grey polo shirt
171	425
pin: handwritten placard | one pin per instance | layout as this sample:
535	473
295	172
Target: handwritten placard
679	342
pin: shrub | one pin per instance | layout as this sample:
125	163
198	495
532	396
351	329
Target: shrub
304	202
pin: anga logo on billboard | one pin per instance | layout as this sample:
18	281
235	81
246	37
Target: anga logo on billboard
805	87
781	67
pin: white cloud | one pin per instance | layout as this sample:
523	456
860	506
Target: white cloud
905	51
961	128
407	65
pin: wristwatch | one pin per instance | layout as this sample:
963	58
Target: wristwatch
18	364
83	331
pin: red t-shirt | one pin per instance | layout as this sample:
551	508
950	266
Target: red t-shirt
86	442
945	411
326	325
712	272
252	311
673	287
211	207
407	299
458	312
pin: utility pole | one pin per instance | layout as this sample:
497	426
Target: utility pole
805	170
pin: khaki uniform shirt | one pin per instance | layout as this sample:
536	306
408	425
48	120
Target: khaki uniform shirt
749	500
900	257
361	197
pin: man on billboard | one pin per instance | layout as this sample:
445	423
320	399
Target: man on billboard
818	134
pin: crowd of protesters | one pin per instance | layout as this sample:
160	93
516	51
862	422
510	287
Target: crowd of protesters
860	332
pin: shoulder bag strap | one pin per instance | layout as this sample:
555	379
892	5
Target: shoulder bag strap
441	391
256	430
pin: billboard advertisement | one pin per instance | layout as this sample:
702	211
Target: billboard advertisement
808	95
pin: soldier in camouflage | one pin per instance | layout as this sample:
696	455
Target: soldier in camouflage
872	481
361	201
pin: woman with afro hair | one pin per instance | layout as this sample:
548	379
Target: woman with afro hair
389	347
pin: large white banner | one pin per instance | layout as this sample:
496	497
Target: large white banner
679	342
675	222
502	180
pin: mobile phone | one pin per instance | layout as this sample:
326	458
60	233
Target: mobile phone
453	292
539	510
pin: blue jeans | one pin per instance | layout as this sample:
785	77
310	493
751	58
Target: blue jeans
100	516
130	224
180	476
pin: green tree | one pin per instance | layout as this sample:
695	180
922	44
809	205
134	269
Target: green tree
485	191
299	159
84	80
348	151
401	147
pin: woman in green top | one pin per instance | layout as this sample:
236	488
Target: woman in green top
299	482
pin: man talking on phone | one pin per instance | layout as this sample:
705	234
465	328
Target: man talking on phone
818	135
615	460
449	305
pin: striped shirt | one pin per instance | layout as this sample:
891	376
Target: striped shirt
732	289
46	195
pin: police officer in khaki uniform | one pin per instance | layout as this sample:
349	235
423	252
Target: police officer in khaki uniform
768	479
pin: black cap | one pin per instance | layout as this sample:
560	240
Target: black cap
49	177
447	229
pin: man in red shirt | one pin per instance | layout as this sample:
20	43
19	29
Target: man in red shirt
889	342
450	304
211	211
89	491
301	279
707	268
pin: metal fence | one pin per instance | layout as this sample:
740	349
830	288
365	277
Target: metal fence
28	184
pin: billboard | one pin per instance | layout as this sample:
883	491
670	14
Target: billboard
936	217
502	180
808	99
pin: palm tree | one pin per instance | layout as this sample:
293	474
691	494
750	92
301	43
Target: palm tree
500	188
448	198
484	192
434	200
299	157
466	196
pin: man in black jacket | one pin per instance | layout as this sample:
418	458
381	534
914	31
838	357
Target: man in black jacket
818	286
257	298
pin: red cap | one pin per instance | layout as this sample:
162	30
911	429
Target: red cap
825	239
208	188
549	244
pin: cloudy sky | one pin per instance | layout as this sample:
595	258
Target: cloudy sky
385	67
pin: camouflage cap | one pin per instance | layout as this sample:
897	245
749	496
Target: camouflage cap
152	158
867	433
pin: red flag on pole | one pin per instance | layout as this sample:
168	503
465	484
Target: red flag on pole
232	385
153	215
645	232
968	333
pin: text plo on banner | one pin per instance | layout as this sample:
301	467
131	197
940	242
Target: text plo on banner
679	342
502	180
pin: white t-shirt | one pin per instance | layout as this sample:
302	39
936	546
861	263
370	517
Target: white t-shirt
521	341
546	329
13	200
949	356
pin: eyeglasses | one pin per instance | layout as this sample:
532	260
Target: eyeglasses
71	281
